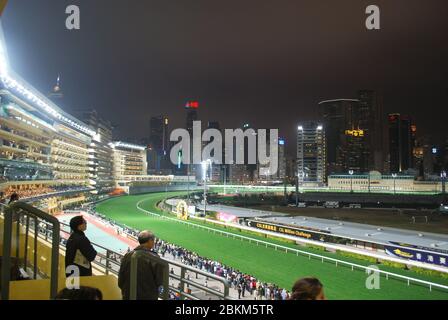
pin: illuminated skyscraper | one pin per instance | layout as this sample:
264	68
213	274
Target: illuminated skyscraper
400	142
311	153
56	93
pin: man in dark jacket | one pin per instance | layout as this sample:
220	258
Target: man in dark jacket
149	271
79	251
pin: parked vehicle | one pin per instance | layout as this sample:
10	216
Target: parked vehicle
331	204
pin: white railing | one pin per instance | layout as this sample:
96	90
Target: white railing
287	249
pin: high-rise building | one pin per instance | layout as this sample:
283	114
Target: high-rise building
129	161
56	93
355	133
100	153
192	115
217	170
344	136
243	173
159	145
264	171
159	134
311	153
400	143
371	120
281	173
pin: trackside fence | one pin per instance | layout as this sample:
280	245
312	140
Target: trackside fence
298	252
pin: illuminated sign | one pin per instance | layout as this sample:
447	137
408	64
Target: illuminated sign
281	142
301	233
192	105
182	210
355	133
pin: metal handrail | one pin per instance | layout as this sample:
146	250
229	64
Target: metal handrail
107	268
14	213
224	295
134	274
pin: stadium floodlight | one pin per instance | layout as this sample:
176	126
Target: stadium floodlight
205	164
350	172
394	175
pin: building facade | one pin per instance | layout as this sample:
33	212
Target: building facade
129	160
400	143
376	182
100	153
44	154
355	133
311	153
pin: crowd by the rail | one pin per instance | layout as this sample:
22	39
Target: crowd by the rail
80	253
246	285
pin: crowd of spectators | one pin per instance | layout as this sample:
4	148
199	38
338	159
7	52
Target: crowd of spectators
32	191
247	285
29	192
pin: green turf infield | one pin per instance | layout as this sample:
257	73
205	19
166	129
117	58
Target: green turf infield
266	264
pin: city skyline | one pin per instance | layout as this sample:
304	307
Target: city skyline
232	72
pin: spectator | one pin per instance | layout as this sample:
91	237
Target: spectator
308	289
14	197
2	198
83	293
149	272
80	252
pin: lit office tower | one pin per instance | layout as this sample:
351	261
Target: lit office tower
281	173
158	155
346	147
371	120
192	114
311	153
400	142
56	93
100	153
217	170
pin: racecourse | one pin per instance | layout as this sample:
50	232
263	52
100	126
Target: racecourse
266	264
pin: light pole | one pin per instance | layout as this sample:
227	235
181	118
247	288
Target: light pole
443	178
368	187
204	175
225	178
394	175
188	183
267	175
299	176
350	172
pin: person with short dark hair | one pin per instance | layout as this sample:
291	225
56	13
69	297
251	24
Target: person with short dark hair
83	293
149	271
13	198
79	251
309	288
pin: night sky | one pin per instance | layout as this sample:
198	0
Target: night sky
264	62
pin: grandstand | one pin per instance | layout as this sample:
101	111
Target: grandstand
230	247
46	160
